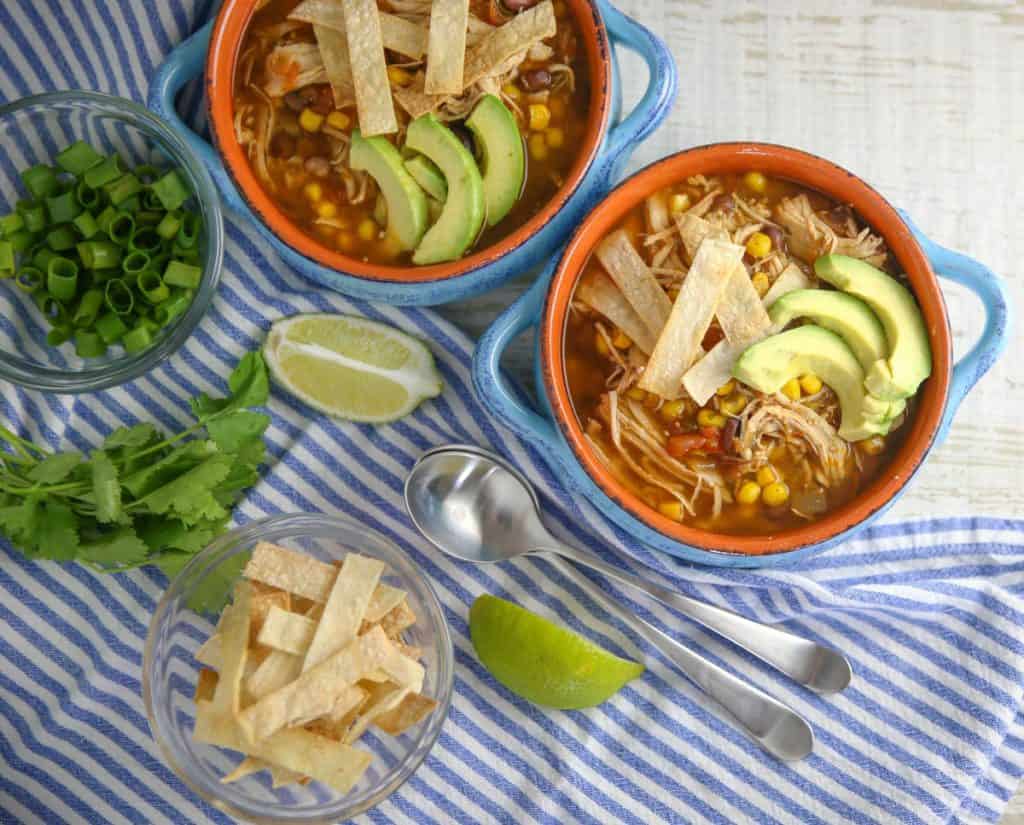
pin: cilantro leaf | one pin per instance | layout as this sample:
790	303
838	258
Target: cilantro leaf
55	468
106	489
190	496
57	532
248	382
231	432
19	522
172	465
140	435
203	406
117	548
162	534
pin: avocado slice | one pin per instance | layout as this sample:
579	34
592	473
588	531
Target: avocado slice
463	214
428	176
501	150
407	205
769	364
909	358
849	317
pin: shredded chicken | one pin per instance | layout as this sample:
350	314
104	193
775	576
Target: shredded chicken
292	66
811	236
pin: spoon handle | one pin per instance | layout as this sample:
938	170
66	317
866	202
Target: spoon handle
772	725
808	663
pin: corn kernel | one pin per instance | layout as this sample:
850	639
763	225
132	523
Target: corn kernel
313	191
540	117
555	137
810	384
671	509
671	410
326	209
733	405
367	229
339	120
726	388
652	401
600	344
399	76
767	475
759	245
756	182
873	445
346	241
761	283
775	494
511	90
678	204
311	121
622	341
791	389
718	421
749	492
557	106
538	146
636	393
710	418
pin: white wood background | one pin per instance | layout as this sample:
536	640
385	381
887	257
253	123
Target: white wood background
922	98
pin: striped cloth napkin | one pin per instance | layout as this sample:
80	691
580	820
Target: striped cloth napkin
928	612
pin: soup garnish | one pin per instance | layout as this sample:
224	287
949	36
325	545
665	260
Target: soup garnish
742	354
410	131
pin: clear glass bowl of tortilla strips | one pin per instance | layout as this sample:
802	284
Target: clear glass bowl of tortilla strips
297	670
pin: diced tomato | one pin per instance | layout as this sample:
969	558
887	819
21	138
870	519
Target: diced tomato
712	439
680	445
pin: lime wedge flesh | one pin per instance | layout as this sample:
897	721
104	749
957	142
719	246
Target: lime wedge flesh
350	367
542	662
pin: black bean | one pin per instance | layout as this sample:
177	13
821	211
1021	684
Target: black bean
732	427
535	80
296	101
724	203
463	134
776	234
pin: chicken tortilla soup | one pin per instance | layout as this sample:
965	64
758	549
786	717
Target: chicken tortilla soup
743	353
410	131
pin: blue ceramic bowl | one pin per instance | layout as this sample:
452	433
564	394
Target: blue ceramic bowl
556	435
619	136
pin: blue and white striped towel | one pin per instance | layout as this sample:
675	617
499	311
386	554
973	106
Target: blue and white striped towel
929	612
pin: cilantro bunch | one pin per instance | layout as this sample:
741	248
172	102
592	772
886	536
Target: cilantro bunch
141	498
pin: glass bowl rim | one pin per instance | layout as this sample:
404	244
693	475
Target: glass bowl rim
246	535
129	367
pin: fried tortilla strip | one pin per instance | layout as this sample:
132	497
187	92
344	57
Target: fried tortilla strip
345	608
414	100
385	599
385	697
276	671
337	723
337	765
515	36
412	710
399	35
598	292
334	53
234	635
288	632
741	315
693	230
396	620
695	307
247	767
636	281
261	600
206	684
369	70
208	653
715	369
446	47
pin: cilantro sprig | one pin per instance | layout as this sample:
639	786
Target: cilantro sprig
141	498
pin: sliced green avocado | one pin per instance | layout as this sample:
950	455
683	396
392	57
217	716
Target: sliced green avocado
769	364
428	176
909	359
503	160
407	205
849	317
463	214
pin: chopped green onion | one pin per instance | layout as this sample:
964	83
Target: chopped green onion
133	204
134	262
87	197
121	228
6	256
145	239
183	275
149	217
58	335
63	208
106	217
88	309
118	297
21	241
123	188
137	339
189	232
152	288
171	190
111	328
42	257
89	344
30	279
62	279
61	238
99	254
40	180
78	158
33	214
150	200
53	310
103	173
172	307
86	225
101	276
147	172
9	224
169	226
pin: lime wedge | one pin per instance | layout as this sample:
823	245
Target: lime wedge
350	367
542	662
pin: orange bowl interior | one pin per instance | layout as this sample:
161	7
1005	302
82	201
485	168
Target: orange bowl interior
831	180
225	45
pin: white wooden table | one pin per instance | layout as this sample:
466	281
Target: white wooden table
922	98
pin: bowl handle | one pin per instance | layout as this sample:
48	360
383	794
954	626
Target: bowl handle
499	395
184	63
662	81
991	289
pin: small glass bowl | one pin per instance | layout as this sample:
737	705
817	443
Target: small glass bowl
170	672
33	130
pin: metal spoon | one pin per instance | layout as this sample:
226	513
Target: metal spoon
476	507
